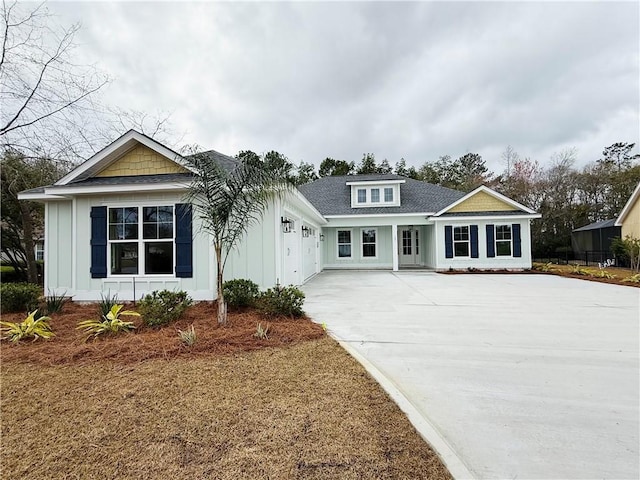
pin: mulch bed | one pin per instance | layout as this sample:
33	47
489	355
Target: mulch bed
559	273
70	346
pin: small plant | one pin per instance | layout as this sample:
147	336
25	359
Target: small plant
188	336
261	332
279	300
109	323
603	274
107	303
30	327
543	267
19	297
633	278
578	270
240	292
162	307
54	303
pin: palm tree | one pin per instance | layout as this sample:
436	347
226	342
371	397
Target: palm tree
229	201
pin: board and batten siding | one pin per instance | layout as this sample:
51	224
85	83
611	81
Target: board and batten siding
201	286
383	248
484	261
59	248
631	224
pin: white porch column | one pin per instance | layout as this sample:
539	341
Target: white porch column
394	246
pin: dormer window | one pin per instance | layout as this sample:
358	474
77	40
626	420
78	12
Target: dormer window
380	193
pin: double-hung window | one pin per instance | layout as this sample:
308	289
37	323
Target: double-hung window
388	194
344	243
375	195
461	241
362	195
141	240
369	236
503	240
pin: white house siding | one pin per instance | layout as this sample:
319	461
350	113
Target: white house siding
201	286
384	248
429	244
484	262
59	250
255	258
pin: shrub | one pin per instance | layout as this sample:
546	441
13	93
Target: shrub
8	274
19	297
189	336
578	270
107	303
30	327
261	332
109	323
633	278
240	292
164	306
285	301
54	303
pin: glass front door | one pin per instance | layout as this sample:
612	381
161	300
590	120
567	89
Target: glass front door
409	246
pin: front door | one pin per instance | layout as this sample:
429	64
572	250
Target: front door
409	246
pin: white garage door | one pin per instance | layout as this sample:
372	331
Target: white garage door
291	258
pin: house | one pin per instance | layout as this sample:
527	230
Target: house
118	223
629	218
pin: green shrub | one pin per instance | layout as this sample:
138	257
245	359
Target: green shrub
19	297
30	327
106	303
109	323
164	306
240	292
286	301
54	303
8	274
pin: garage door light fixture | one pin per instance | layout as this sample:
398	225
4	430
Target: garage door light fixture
287	225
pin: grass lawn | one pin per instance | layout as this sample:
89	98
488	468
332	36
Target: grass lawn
300	409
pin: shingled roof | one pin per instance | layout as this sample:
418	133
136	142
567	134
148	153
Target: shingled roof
332	196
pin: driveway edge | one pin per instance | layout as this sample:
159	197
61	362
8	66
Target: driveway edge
449	457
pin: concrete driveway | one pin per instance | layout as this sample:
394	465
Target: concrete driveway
518	376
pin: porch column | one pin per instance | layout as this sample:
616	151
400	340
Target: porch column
394	246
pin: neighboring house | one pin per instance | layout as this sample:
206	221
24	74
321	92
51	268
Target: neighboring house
629	218
118	223
595	240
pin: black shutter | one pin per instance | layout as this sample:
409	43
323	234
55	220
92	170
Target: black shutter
491	244
517	240
98	242
448	241
184	241
473	234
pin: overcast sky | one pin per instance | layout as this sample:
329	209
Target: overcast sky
413	80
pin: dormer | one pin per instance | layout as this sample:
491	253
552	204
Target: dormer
375	193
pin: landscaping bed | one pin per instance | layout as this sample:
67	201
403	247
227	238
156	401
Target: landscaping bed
69	346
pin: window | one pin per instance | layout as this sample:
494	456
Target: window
369	243
375	195
344	243
362	195
406	242
503	240
39	251
388	194
461	241
141	246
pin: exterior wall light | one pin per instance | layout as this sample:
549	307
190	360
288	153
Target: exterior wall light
305	231
287	224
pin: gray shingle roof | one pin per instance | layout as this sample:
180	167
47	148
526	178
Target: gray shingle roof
597	225
225	161
332	196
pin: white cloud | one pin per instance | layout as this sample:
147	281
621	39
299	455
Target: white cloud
412	80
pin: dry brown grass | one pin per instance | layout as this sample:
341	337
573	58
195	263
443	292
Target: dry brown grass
307	411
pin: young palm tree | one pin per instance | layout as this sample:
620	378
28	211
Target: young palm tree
229	201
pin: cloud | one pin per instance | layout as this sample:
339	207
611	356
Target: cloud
413	80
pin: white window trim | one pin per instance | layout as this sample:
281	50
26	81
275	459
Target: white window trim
495	240
141	241
453	236
362	244
350	230
381	203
